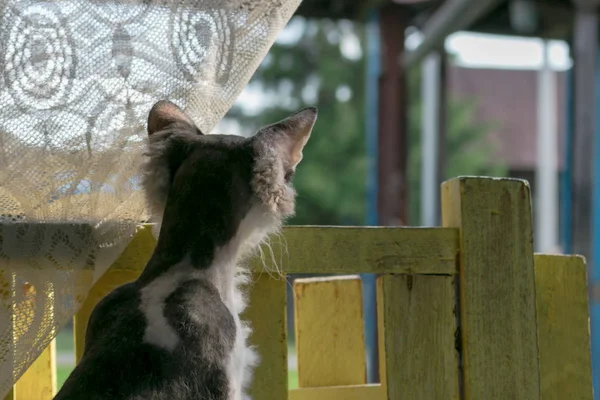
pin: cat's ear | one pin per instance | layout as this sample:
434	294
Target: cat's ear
165	114
290	135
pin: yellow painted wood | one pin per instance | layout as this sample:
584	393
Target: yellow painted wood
106	284
39	381
6	312
10	395
563	327
138	251
349	250
357	392
338	250
329	331
417	325
267	314
497	286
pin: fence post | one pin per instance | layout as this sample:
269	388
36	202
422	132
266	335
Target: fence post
497	286
266	313
563	327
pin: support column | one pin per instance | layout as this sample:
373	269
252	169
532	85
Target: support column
371	132
546	232
443	128
593	264
433	135
392	193
585	43
430	136
585	208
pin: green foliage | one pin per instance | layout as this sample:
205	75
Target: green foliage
313	71
324	66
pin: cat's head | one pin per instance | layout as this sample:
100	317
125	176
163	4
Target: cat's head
222	180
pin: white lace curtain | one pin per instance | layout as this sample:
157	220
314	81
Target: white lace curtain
78	79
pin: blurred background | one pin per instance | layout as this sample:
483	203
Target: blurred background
413	92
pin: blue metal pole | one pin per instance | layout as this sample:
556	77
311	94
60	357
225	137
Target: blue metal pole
566	174
594	268
373	70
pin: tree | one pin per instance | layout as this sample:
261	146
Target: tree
320	62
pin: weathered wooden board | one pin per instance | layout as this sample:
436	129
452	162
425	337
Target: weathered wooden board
563	327
497	286
266	312
329	331
417	337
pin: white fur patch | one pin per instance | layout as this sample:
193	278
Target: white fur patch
225	275
229	279
158	330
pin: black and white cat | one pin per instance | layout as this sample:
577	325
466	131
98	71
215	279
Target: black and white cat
175	333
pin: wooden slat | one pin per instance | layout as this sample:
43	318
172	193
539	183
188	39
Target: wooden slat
6	310
338	250
329	332
106	284
349	250
563	327
417	337
266	311
138	251
497	286
39	381
357	392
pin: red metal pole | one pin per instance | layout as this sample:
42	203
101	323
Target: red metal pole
392	196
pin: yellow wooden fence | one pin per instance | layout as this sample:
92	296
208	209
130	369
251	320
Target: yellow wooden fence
466	311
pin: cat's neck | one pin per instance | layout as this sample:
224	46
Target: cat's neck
199	253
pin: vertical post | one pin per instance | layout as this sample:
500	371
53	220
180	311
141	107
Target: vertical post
593	266
546	232
392	203
371	129
566	174
430	125
442	128
586	43
497	286
563	327
6	346
267	315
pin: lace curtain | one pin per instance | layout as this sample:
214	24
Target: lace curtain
78	79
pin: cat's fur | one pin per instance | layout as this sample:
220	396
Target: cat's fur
175	333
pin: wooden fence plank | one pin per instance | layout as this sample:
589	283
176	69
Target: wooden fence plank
350	250
338	250
497	286
266	312
39	381
563	327
329	331
6	314
358	392
417	337
138	251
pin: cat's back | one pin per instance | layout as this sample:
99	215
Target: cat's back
167	339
